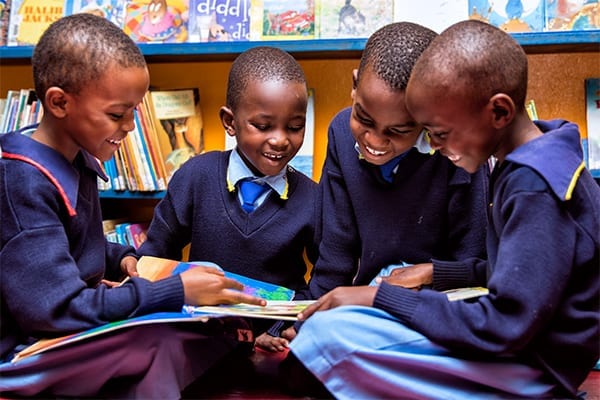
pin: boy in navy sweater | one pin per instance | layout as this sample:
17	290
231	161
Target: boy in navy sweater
536	333
54	259
387	198
265	110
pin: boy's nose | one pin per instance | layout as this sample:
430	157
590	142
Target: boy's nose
278	138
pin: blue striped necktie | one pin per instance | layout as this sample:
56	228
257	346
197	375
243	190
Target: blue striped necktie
251	191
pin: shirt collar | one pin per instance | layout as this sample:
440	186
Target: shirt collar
238	170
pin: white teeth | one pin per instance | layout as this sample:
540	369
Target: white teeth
454	158
273	156
375	152
113	141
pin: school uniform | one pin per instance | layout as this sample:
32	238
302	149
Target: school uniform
203	207
53	255
536	334
419	208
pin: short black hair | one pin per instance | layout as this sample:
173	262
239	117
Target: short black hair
77	49
263	64
391	52
478	59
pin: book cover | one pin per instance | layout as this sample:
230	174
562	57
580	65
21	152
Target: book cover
179	125
510	15
353	18
219	20
303	161
30	18
282	20
434	14
153	268
4	19
157	21
592	94
113	10
572	15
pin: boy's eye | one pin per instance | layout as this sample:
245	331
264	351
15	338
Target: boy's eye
261	127
438	135
116	116
400	132
296	128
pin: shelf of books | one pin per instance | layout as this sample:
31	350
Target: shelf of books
581	41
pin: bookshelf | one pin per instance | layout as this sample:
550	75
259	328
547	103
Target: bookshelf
559	63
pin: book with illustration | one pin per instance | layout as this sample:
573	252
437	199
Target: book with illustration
219	21
353	18
572	15
279	306
28	19
178	123
282	19
112	10
511	16
157	21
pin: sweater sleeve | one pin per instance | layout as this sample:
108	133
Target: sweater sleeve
525	285
340	244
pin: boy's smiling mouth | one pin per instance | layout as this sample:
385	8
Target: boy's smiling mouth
374	152
274	156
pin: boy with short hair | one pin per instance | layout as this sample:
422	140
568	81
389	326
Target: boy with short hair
536	333
54	259
387	198
264	238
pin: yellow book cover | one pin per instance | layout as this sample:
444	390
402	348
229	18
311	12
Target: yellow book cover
30	18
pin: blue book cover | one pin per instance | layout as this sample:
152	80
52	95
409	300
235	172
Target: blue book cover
510	15
219	20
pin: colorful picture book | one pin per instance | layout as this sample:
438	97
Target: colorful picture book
282	19
113	10
153	268
353	18
157	21
178	122
572	15
511	16
219	20
29	19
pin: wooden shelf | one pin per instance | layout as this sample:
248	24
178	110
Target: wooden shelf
539	42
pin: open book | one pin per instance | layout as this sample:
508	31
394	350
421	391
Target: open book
279	306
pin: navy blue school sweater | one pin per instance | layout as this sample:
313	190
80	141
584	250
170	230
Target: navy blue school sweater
53	253
267	244
542	271
431	210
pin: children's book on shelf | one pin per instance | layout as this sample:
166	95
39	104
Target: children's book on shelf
303	161
112	10
21	108
353	18
434	14
219	20
572	15
178	121
4	19
29	19
282	19
126	233
592	94
279	306
157	21
511	16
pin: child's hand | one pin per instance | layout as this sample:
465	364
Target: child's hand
271	343
411	277
205	286
341	296
129	266
289	333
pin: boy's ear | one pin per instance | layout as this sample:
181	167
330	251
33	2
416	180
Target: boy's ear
226	116
56	102
503	110
354	82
